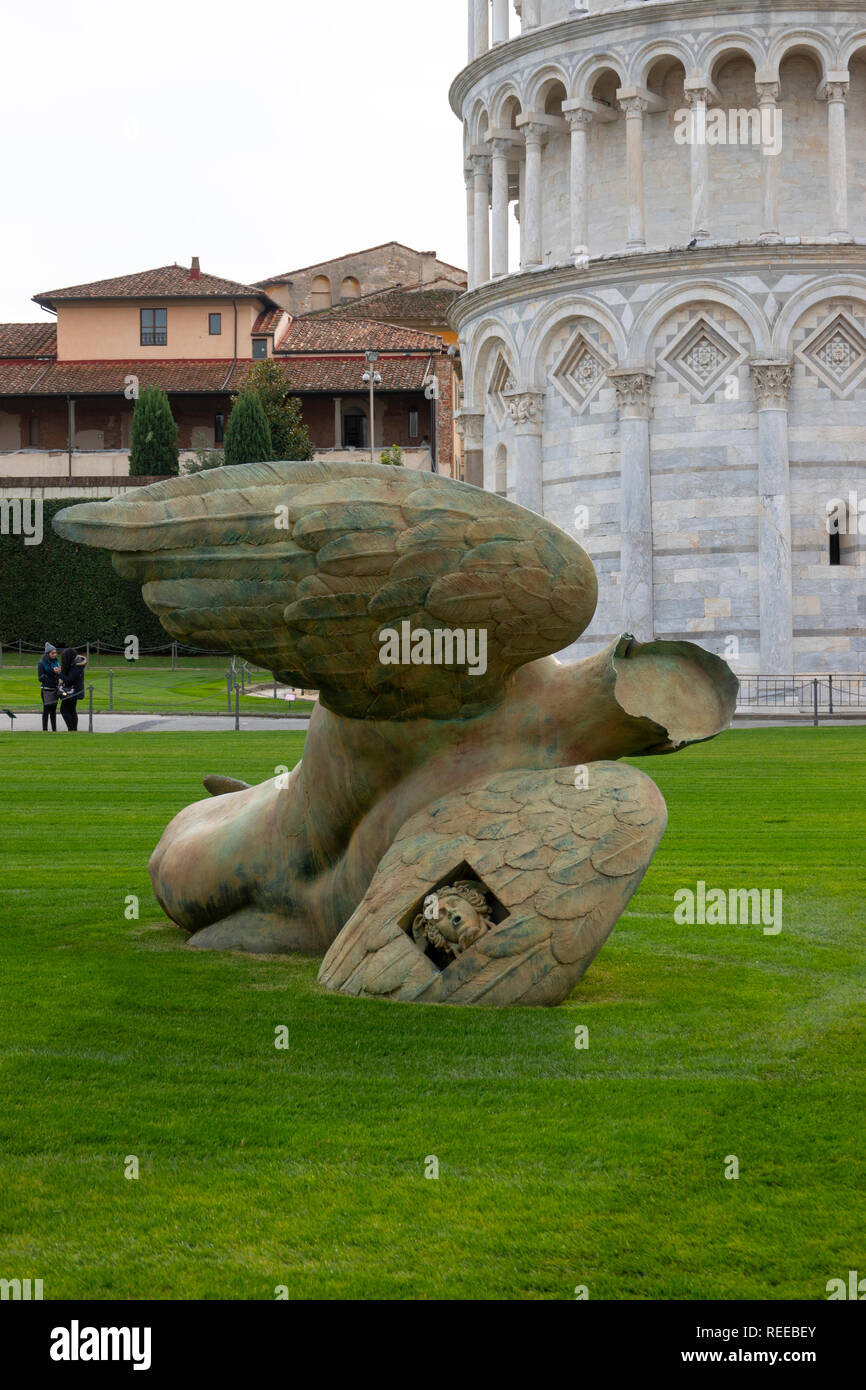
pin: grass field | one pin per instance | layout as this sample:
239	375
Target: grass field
603	1167
150	687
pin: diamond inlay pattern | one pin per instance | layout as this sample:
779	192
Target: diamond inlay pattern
836	353
702	357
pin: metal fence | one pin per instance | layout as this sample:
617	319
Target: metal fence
815	695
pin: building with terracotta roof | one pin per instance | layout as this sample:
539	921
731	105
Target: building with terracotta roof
67	389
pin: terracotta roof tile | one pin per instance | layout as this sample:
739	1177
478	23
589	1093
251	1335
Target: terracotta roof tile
268	320
165	282
315	333
28	339
425	305
343	374
109	378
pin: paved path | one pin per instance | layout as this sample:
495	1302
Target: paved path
224	723
161	723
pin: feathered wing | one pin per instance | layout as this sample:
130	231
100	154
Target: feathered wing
300	567
559	860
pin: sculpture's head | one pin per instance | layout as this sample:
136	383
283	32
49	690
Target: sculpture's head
462	909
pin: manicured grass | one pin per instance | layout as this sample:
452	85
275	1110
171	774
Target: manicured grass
558	1167
151	687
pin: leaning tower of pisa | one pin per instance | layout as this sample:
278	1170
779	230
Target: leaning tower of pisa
664	338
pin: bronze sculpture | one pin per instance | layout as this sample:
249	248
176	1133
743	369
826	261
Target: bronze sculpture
493	767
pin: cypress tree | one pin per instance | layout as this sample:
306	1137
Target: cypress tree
153	450
289	436
248	434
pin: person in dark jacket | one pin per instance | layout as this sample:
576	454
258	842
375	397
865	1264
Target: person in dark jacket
71	686
49	676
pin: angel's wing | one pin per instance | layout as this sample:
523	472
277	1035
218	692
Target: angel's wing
558	861
302	567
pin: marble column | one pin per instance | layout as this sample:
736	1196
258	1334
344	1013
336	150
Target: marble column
635	109
526	409
836	94
501	150
479	28
500	21
535	136
772	382
469	178
338	422
471	424
697	98
530	14
579	120
518	211
481	171
633	391
768	96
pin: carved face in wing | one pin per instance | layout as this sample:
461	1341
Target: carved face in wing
302	567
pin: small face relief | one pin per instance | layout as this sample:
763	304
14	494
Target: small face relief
456	923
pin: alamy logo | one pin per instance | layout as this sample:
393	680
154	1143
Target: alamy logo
76	1343
444	647
21	1289
22	516
738	126
855	1288
846	518
743	907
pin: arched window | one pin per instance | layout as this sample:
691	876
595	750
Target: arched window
350	288
321	292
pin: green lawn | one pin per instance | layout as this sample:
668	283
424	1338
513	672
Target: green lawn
150	687
558	1167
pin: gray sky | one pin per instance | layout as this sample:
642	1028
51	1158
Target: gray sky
260	137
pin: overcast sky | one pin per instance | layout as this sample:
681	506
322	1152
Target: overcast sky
260	137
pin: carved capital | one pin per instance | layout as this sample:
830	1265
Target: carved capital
695	95
480	165
535	134
836	91
526	407
581	118
635	108
500	149
470	426
768	93
772	382
633	391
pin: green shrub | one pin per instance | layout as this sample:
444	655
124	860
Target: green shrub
394	456
69	594
153	451
248	434
289	436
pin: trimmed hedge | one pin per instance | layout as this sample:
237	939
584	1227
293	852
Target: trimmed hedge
69	594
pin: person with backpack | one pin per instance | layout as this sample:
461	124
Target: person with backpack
49	677
71	686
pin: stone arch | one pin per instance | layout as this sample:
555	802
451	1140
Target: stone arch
851	48
722	48
479	123
829	287
501	103
658	310
552	318
487	338
595	67
541	81
802	41
647	57
321	292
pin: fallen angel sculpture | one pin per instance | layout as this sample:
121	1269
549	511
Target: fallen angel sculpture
437	781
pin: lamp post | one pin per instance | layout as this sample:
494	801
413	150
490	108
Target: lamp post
372	378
